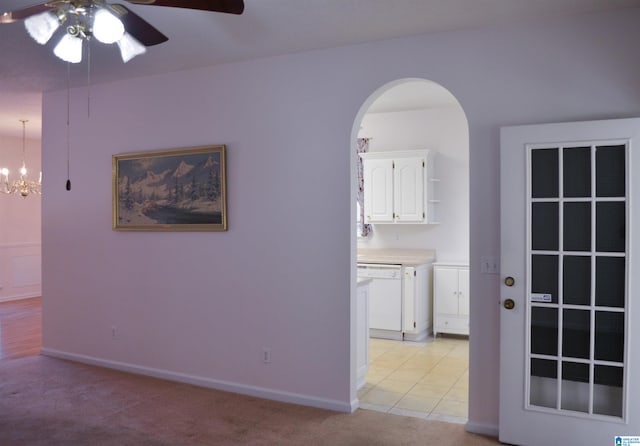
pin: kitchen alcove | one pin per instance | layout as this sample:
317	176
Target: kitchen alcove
417	114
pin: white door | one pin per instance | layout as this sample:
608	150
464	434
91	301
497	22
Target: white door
569	302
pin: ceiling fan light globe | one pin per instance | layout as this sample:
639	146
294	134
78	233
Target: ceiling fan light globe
107	28
42	26
69	49
130	47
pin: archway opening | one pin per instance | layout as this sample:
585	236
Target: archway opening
411	371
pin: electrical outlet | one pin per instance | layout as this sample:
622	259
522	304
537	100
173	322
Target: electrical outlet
266	355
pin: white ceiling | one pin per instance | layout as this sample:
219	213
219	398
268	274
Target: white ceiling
267	28
413	95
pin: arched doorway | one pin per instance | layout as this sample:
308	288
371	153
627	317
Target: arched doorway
420	377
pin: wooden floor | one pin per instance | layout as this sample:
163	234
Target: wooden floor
20	328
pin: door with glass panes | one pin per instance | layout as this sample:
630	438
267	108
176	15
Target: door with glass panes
569	199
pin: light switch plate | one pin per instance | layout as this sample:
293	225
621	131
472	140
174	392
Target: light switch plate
489	265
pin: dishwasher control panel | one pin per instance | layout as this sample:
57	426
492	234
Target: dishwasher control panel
378	271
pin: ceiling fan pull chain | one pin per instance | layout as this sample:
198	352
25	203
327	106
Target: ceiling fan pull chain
68	186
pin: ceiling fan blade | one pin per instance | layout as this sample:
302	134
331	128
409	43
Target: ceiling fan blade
228	6
12	16
138	27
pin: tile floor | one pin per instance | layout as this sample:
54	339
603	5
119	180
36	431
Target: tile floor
427	379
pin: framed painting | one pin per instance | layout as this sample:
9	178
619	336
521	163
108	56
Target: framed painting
170	190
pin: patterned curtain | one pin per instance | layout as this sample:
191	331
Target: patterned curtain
363	147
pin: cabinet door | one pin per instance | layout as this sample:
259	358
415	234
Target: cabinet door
378	190
446	290
463	292
409	190
409	299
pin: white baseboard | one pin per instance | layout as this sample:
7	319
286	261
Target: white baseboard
260	392
417	337
385	334
482	429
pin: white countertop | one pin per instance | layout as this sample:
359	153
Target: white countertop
396	256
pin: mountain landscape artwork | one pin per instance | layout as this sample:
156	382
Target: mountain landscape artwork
175	190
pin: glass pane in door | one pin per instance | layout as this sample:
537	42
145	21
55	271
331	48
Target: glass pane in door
543	383
610	226
610	283
544	276
576	172
576	287
544	231
611	171
577	226
544	331
575	386
607	395
544	163
576	333
609	336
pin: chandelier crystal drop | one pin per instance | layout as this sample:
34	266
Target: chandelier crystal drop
22	186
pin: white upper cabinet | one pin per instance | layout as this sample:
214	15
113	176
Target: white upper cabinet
399	187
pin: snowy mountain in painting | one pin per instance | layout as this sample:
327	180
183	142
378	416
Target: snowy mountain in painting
182	170
188	188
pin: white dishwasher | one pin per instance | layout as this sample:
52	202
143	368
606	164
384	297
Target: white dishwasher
385	298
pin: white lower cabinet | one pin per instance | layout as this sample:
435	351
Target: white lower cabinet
400	300
450	298
416	299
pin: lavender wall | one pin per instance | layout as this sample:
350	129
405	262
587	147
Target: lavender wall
204	305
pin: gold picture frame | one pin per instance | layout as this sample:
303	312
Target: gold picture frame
170	190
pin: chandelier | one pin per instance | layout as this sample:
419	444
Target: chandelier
83	19
23	185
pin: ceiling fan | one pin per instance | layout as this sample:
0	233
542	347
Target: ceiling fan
106	22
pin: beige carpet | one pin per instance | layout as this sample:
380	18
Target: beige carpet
49	402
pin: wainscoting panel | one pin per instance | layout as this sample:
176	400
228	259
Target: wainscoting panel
20	271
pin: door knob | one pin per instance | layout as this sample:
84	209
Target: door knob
509	281
509	304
